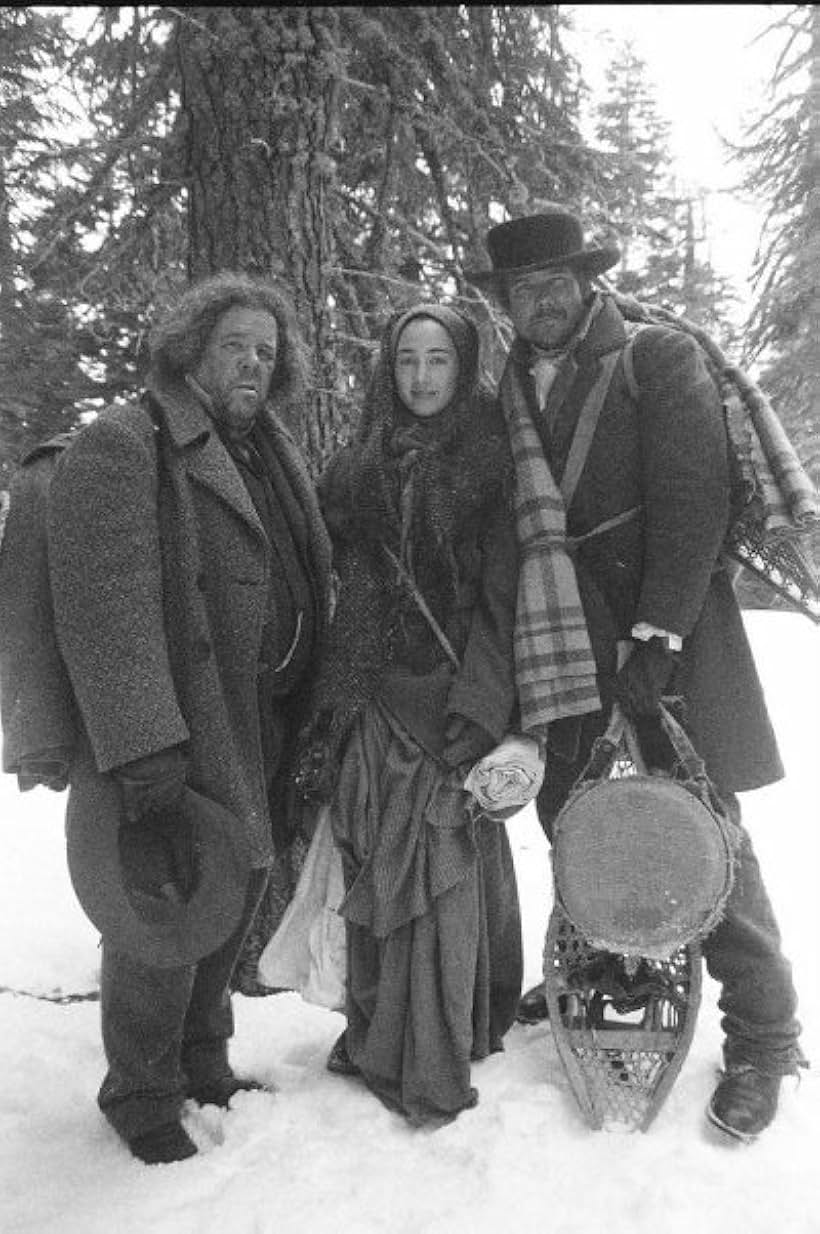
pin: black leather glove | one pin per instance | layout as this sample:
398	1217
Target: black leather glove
157	848
151	784
467	742
643	680
158	856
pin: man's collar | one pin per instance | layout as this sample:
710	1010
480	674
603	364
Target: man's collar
202	394
184	412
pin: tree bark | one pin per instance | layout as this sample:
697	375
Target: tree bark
260	94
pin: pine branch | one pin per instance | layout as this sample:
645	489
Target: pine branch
154	87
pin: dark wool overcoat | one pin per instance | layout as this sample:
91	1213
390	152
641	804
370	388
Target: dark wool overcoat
665	453
160	580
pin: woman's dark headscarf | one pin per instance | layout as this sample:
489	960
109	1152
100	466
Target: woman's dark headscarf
458	457
383	404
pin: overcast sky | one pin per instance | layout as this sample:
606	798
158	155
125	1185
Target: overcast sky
709	78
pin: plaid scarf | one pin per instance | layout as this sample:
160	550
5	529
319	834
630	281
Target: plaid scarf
554	664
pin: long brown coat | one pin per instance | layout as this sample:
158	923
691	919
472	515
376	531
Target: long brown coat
160	593
666	453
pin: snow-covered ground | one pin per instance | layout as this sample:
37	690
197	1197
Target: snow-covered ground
321	1154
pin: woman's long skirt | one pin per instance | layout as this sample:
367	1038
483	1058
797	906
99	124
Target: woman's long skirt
433	923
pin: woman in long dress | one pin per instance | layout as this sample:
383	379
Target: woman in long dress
418	685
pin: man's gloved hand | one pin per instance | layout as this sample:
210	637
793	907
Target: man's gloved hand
643	680
467	742
158	860
157	848
152	784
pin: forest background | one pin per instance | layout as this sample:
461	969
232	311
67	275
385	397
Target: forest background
360	153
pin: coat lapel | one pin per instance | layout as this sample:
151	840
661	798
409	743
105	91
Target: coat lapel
584	367
564	381
207	462
318	545
200	452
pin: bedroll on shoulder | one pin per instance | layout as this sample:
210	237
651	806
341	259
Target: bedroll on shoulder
774	502
37	709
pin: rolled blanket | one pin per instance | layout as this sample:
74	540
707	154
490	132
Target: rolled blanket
776	479
778	495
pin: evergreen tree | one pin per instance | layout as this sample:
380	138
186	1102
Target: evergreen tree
635	139
359	152
34	332
664	246
782	156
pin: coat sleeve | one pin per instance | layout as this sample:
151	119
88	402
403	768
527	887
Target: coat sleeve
106	578
684	478
484	688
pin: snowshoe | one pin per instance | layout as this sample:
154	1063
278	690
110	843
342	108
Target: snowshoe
622	1024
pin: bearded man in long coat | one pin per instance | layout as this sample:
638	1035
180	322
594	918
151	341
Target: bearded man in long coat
190	576
627	530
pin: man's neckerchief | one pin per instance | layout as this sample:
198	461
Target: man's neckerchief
554	370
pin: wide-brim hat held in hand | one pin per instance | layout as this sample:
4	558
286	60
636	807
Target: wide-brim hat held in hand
183	917
554	238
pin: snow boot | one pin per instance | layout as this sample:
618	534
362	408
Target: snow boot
339	1061
532	1006
744	1102
164	1144
219	1089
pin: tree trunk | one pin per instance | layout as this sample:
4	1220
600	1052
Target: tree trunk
813	220
260	93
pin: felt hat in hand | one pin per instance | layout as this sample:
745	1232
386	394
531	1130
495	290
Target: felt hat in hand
167	897
554	238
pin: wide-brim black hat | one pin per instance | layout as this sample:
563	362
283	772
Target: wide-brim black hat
540	242
168	932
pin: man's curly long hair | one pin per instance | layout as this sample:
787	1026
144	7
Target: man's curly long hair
180	336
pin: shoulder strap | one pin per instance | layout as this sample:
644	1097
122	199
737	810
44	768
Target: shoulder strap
585	428
629	368
53	445
4	512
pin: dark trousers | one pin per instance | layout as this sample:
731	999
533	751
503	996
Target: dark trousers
743	953
165	1029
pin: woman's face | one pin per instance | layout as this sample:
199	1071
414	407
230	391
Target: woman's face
425	367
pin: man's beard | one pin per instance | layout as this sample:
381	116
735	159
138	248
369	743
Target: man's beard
238	419
552	333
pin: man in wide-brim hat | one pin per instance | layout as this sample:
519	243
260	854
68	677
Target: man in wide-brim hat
541	242
622	502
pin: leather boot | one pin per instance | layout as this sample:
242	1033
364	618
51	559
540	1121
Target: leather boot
219	1089
164	1144
339	1061
745	1101
532	1006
